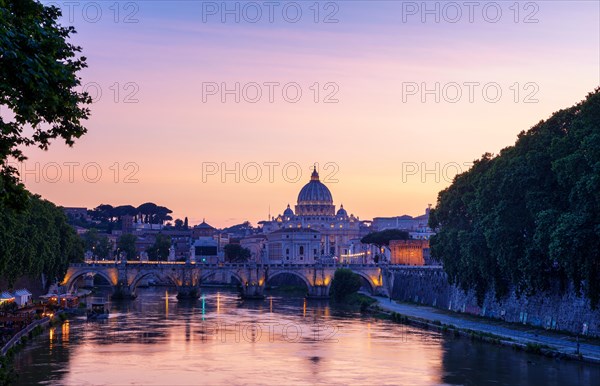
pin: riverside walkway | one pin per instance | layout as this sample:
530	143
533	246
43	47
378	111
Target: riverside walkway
562	343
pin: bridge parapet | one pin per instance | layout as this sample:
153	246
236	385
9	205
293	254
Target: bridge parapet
243	265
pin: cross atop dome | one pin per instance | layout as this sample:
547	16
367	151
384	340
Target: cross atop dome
315	175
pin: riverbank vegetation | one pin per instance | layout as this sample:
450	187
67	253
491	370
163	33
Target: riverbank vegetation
528	217
36	240
359	301
345	283
344	290
7	371
38	81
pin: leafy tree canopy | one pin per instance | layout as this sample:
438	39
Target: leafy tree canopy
36	240
384	237
38	77
529	217
98	244
159	251
126	245
345	283
235	253
150	213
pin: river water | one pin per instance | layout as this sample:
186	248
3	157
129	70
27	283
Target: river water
282	340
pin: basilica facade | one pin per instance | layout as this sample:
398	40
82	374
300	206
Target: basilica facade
313	230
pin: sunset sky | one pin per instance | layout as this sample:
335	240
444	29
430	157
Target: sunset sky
376	139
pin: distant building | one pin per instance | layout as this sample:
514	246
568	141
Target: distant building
257	245
203	230
181	247
294	245
359	253
205	250
127	224
206	244
409	252
417	227
330	232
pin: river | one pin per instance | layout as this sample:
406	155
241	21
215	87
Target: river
282	340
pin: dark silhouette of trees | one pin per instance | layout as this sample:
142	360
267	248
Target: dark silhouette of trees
109	217
99	244
345	283
383	238
38	77
528	218
159	251
235	253
126	244
179	225
36	240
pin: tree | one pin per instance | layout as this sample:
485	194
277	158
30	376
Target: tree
345	283
123	210
384	237
147	210
102	213
126	244
234	253
185	224
98	244
36	240
162	215
159	251
38	77
90	239
104	248
528	218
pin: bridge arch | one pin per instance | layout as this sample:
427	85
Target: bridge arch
161	276
73	277
229	273
368	279
289	272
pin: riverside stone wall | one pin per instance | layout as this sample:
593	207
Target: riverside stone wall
551	310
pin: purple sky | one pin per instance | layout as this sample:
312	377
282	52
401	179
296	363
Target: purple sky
390	150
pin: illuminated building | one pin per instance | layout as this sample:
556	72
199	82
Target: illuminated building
409	252
318	227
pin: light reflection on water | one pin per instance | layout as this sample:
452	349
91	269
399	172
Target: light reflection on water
220	339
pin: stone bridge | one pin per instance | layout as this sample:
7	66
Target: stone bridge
125	276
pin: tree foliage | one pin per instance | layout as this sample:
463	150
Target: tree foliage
38	77
126	245
384	237
179	224
107	216
98	244
159	251
529	217
36	239
235	253
345	283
